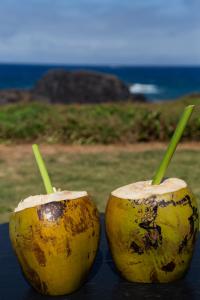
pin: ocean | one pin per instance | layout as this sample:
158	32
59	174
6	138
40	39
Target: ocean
157	83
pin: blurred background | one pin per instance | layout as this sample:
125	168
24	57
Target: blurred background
100	86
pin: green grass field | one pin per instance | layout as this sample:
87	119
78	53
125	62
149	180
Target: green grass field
99	173
110	123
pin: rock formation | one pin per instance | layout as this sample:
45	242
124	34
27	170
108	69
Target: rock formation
61	86
81	86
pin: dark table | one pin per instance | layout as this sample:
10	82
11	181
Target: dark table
103	282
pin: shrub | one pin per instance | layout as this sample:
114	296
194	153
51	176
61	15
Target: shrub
94	124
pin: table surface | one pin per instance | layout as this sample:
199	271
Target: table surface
103	282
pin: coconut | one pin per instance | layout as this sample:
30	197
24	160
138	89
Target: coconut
152	230
55	238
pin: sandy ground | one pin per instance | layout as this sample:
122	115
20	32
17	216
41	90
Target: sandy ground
18	151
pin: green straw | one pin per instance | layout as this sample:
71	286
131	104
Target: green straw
42	169
173	144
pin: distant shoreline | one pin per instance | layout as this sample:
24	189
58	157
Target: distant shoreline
24	95
169	82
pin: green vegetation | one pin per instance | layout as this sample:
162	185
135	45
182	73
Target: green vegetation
95	124
99	173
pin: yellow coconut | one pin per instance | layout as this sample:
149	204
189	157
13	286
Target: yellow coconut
55	238
152	230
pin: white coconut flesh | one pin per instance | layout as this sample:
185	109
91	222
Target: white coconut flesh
33	201
144	189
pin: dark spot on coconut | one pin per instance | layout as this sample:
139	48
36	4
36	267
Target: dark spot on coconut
188	198
164	203
72	204
159	230
154	276
93	233
150	243
39	285
193	231
183	244
88	256
136	249
51	211
155	209
84	219
192	219
75	227
147	242
51	239
183	201
169	267
145	224
69	250
33	277
39	254
153	237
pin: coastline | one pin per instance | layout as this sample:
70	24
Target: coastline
157	83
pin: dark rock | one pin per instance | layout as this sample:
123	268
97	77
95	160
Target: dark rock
60	86
81	86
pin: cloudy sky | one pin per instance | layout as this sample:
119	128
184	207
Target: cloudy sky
153	32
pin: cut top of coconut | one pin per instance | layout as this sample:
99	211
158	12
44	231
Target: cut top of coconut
33	201
144	189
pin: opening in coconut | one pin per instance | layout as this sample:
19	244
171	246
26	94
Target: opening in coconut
33	201
145	189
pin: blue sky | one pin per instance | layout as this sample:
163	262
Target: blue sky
136	32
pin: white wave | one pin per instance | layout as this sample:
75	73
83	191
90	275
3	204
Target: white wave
140	88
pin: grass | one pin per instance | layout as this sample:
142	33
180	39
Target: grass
95	124
99	173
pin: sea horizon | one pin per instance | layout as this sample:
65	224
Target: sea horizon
102	65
